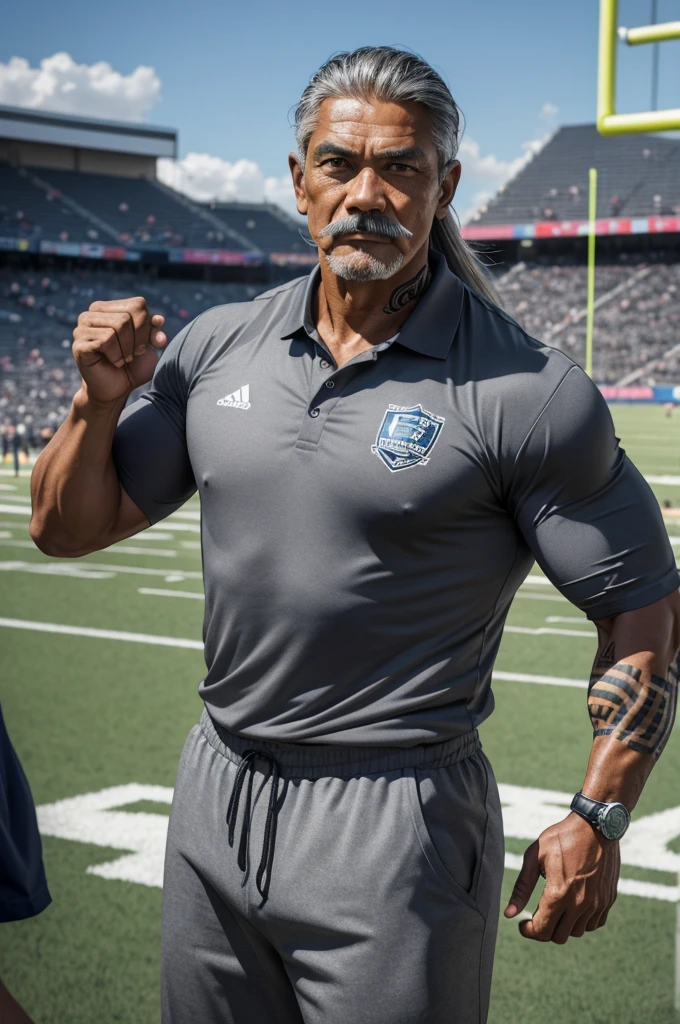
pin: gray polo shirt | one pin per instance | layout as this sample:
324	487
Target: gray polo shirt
364	529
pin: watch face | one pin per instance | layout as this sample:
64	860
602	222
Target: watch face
614	821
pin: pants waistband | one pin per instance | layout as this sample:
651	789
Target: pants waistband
313	761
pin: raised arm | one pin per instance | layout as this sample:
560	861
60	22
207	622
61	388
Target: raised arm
78	503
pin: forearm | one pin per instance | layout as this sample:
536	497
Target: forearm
75	491
632	699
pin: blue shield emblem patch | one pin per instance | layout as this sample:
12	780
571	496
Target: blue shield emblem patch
407	436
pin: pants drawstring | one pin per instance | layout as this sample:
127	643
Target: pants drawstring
247	763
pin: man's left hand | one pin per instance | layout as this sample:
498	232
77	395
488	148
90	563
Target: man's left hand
581	871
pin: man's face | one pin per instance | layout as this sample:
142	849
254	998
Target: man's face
377	161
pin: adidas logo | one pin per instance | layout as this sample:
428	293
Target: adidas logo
238	399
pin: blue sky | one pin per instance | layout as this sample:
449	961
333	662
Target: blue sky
229	74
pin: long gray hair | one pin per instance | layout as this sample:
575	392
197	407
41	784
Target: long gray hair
397	76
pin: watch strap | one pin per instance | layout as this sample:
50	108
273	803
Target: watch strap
587	808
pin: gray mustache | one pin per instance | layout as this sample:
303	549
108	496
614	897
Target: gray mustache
373	223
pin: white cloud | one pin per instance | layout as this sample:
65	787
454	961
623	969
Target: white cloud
91	90
204	177
491	172
548	111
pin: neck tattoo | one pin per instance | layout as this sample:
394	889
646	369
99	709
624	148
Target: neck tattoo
409	291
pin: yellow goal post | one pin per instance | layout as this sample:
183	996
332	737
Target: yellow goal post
608	121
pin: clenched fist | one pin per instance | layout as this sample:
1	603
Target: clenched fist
114	345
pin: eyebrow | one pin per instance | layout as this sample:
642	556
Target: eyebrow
335	149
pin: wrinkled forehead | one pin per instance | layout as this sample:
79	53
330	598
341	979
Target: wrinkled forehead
371	125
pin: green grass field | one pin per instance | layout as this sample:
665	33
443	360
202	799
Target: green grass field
89	712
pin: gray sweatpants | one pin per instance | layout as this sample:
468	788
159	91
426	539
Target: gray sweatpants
362	886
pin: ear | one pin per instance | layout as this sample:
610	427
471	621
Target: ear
298	182
447	189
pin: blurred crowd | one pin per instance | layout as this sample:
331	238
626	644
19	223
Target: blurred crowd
636	324
38	311
637	320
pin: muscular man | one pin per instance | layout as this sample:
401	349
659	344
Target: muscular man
381	454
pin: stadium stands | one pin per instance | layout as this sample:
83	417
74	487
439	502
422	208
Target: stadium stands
637	319
38	311
141	214
109	207
266	225
638	176
637	322
71	206
27	211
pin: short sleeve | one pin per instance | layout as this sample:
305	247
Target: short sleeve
588	515
149	444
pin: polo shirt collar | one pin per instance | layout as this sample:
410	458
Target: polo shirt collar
429	329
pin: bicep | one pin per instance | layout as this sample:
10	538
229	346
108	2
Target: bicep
585	511
152	462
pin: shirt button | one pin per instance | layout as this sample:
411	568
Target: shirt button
324	364
313	412
330	383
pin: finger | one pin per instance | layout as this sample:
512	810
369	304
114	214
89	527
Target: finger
598	920
104	341
526	882
545	920
136	308
581	924
157	337
563	929
117	323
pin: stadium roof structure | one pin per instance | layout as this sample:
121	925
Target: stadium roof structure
638	188
84	187
40	126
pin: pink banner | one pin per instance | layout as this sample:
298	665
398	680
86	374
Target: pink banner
572	228
630	391
482	232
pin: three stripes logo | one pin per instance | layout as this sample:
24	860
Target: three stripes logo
238	399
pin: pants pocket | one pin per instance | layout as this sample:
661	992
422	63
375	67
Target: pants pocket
450	820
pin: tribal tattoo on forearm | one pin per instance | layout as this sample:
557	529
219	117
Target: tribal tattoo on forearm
625	703
408	291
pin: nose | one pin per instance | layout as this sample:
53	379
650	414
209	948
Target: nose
365	192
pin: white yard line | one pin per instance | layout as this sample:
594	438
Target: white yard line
8	487
171	593
102	634
528	677
564	618
197	645
22	508
171	524
76	570
169	575
152	534
540	597
669	481
125	549
546	631
16	510
116	549
178	575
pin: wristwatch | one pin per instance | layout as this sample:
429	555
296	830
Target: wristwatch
611	819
